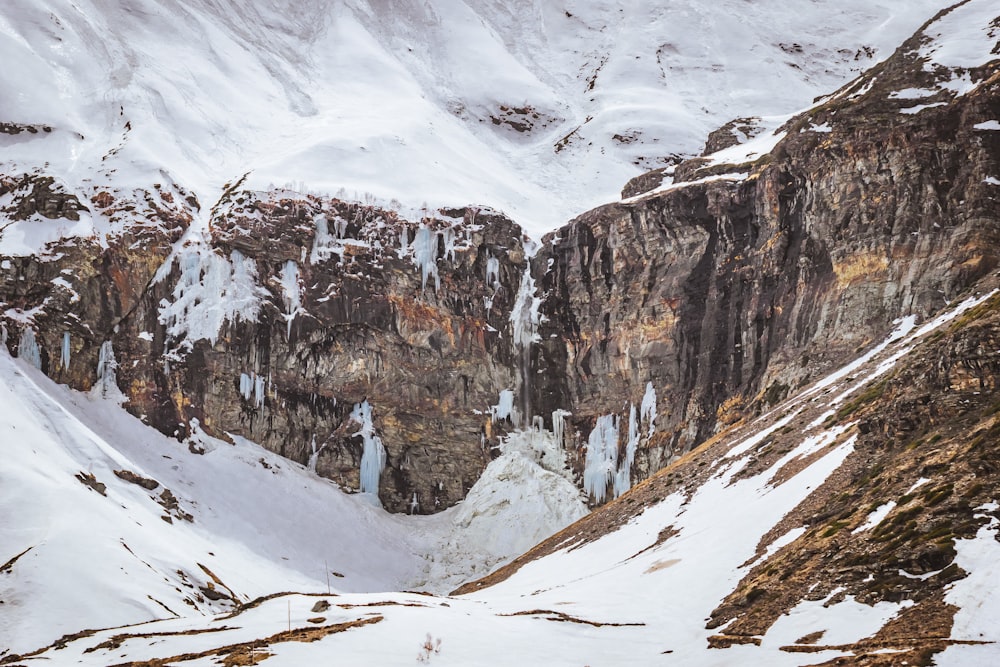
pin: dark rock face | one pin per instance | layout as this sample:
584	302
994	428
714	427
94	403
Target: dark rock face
287	315
346	316
726	293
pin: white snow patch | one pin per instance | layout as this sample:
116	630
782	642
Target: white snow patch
845	622
964	37
920	107
975	596
875	517
912	94
987	125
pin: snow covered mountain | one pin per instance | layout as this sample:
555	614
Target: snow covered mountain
776	363
540	109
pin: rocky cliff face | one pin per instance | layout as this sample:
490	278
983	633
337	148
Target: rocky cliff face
342	335
753	271
328	332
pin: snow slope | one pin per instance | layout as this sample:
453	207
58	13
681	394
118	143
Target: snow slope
537	108
82	558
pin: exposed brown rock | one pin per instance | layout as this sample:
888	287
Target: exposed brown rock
749	288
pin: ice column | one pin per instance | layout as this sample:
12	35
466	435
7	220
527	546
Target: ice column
27	348
623	477
425	247
602	457
648	409
64	358
373	454
559	425
524	320
289	279
492	280
106	367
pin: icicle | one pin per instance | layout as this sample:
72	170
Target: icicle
425	247
504	409
321	241
107	366
314	456
246	385
404	243
289	279
492	281
27	348
524	320
602	457
559	426
648	411
373	454
493	272
259	391
623	477
414	505
341	227
449	237
64	358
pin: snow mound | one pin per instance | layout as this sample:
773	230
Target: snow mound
523	496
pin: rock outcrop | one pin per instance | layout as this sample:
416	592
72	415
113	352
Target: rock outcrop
741	281
319	329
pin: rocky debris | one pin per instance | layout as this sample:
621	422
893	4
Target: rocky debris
733	133
522	119
320	607
169	502
645	182
7	567
133	478
17	128
88	479
33	194
210	592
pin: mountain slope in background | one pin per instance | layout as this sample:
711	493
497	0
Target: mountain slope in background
540	109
